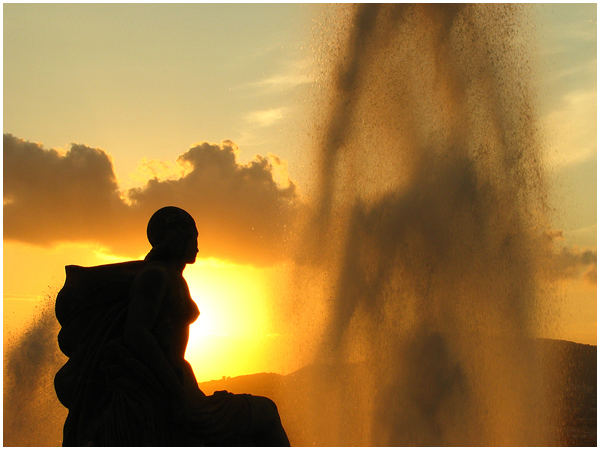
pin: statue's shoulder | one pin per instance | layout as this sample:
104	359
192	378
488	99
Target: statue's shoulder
104	272
153	272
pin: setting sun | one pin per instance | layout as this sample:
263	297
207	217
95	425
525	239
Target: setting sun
233	302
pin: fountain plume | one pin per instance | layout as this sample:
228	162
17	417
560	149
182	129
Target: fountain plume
429	214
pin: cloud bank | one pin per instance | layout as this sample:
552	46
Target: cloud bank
241	212
571	262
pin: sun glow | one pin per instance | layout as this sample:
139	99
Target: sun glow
234	318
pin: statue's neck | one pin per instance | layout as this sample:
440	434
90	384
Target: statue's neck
174	265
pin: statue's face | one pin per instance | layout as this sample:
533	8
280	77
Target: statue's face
191	247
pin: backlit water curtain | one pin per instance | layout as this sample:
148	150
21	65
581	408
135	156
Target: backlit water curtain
430	212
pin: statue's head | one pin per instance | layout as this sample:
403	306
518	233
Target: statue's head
173	235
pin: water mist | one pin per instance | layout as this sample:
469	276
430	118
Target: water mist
429	213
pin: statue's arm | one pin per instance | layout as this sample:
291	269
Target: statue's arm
148	293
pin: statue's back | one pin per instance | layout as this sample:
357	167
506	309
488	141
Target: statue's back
91	309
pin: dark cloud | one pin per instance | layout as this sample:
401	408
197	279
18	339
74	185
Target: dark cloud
569	262
49	197
574	263
239	209
242	214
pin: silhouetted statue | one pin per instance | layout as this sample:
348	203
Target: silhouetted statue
125	330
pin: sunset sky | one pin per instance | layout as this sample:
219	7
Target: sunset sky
111	110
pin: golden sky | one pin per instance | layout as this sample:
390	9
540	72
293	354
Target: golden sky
111	111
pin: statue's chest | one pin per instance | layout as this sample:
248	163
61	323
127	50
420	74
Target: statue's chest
178	308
